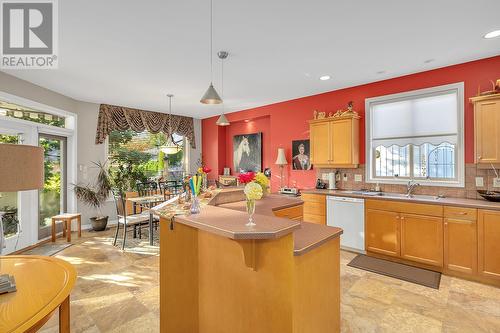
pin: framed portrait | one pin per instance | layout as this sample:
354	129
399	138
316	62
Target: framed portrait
247	152
301	155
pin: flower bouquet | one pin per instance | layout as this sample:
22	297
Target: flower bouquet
203	171
254	190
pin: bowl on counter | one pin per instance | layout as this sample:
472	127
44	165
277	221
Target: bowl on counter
490	195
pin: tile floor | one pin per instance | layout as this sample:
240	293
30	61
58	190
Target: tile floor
118	292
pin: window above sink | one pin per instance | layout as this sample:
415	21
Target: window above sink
416	135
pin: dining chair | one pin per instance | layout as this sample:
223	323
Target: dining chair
147	189
132	220
169	188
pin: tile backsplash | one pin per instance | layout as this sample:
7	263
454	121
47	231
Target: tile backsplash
469	191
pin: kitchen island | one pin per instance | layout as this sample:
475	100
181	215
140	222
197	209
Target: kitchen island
218	275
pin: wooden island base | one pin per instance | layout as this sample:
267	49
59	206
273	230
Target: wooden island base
214	284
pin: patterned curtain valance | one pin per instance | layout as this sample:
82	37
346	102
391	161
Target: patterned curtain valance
112	117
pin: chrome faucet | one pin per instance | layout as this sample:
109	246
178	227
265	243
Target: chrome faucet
410	187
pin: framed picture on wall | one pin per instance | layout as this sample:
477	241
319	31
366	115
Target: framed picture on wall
247	152
301	159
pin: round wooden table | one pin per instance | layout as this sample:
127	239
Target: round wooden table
43	286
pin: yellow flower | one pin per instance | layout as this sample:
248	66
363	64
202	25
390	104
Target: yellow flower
262	180
200	170
253	191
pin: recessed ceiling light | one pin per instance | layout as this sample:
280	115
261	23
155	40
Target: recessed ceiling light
428	61
380	72
492	34
324	77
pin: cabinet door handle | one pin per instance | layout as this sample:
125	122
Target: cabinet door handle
462	213
479	157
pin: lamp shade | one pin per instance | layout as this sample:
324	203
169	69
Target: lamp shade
21	167
281	159
222	121
211	96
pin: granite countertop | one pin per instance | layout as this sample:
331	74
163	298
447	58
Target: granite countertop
228	219
424	199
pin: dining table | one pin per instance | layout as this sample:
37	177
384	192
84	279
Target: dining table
146	203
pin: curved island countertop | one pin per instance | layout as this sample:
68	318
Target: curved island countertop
225	215
307	237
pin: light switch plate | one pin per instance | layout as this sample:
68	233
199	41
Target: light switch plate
496	182
358	178
345	177
479	182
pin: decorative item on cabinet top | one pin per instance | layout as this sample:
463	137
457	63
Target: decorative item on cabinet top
340	113
495	89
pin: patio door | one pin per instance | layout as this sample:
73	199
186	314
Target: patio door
52	198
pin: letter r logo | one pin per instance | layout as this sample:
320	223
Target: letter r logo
27	28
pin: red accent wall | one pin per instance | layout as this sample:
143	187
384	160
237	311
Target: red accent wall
286	121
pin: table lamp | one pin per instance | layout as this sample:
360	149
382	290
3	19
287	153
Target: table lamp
21	169
281	161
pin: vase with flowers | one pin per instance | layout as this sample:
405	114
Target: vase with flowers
203	172
253	191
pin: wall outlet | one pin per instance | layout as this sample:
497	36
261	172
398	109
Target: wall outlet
324	176
344	177
358	178
479	182
496	182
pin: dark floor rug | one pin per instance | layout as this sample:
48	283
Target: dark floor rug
48	249
396	270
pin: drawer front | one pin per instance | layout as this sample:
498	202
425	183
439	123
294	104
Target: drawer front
291	213
313	218
469	214
317	208
313	197
405	207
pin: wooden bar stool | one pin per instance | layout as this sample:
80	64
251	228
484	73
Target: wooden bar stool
66	221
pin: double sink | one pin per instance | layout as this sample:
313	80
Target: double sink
393	195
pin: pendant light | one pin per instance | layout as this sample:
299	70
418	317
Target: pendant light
222	121
211	96
170	148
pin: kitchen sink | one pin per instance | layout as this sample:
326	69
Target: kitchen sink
393	195
411	197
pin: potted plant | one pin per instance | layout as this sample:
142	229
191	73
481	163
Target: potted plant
95	196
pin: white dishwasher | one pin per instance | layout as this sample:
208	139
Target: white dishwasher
348	214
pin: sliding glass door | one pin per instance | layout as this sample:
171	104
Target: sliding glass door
52	198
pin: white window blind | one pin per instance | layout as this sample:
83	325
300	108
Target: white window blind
426	119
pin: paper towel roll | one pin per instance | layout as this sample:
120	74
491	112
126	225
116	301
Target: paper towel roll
331	181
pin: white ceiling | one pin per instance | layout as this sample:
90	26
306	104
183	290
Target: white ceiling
133	52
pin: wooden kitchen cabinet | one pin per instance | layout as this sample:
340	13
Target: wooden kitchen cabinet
487	128
320	142
382	232
422	239
335	142
488	239
314	210
460	245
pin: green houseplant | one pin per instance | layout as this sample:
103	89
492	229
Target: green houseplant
95	196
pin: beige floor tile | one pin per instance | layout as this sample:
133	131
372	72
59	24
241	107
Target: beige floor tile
118	292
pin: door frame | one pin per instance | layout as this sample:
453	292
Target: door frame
33	131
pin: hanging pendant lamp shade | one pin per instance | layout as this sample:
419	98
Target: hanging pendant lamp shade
211	96
170	148
222	121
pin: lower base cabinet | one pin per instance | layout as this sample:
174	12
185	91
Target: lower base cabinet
460	246
488	239
382	232
422	239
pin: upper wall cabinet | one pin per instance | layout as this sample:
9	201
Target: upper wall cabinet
487	128
335	142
